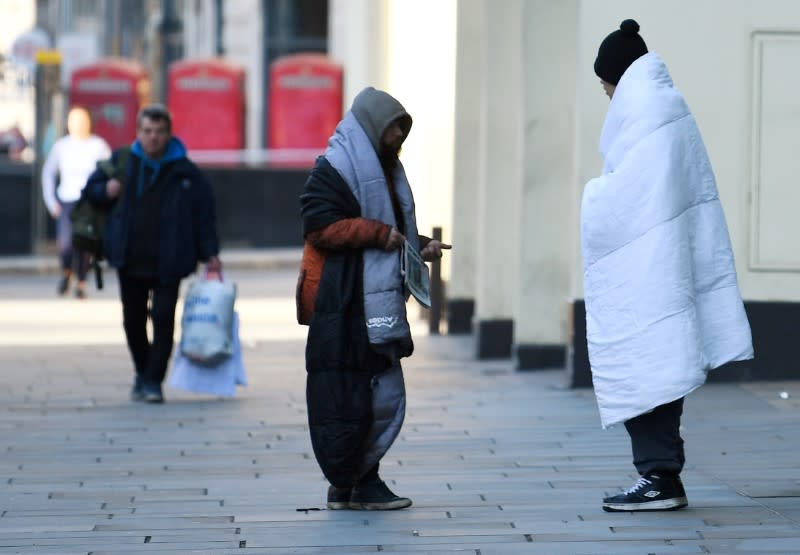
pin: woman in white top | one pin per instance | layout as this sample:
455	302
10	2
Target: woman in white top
73	158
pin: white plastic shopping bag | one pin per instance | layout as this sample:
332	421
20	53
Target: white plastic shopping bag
207	321
221	379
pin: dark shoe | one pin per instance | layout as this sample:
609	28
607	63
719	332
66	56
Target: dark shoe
652	492
63	285
376	496
136	391
80	293
338	498
152	393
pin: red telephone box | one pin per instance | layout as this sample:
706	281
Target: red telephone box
207	102
113	91
305	101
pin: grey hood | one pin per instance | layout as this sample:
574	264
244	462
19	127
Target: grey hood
375	110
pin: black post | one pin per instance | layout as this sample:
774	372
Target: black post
219	26
113	28
171	31
435	313
47	86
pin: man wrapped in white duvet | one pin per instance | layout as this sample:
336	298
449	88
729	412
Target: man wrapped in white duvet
662	302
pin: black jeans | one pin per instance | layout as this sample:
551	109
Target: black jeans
150	359
371	476
656	439
71	258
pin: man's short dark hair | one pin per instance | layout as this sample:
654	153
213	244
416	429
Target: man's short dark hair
154	112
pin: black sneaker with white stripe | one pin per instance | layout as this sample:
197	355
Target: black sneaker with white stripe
376	496
652	492
338	498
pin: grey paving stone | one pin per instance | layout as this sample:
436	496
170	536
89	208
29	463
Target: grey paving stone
366	538
125	522
776	530
778	546
60	550
595	548
496	461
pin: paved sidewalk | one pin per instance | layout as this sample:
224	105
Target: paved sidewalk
496	461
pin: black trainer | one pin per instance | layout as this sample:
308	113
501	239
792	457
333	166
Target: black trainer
63	285
652	492
376	496
152	393
338	498
136	391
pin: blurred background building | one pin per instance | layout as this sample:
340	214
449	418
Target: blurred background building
18	44
507	115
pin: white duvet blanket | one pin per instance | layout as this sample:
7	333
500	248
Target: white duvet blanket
662	302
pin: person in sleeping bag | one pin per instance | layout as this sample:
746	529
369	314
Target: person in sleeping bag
357	212
663	306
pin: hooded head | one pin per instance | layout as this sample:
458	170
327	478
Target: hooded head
375	111
618	51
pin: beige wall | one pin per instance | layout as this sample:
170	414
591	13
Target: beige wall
407	47
241	33
514	200
710	55
548	207
501	164
358	39
467	130
513	85
420	73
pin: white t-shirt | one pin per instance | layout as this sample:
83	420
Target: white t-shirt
73	160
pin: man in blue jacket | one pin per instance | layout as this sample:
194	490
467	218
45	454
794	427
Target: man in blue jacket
163	222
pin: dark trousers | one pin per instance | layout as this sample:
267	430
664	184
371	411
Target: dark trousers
371	476
71	259
150	359
656	439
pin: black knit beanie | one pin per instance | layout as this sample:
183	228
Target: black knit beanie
618	51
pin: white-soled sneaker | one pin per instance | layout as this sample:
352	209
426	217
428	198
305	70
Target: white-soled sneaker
338	498
652	492
376	496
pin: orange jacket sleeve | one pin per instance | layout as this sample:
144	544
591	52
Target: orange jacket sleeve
351	233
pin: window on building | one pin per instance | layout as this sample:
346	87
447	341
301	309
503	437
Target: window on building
296	26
